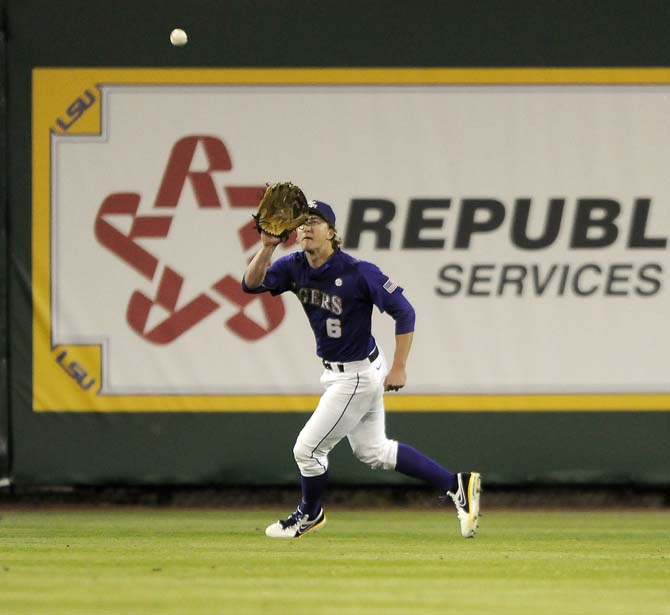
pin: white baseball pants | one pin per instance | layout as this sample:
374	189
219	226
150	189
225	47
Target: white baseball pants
352	406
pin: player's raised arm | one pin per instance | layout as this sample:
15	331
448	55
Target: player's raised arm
282	209
257	268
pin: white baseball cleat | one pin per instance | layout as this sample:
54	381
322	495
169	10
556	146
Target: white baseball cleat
297	525
466	500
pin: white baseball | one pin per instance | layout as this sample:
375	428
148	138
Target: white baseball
178	37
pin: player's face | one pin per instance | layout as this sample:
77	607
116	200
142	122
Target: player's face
314	234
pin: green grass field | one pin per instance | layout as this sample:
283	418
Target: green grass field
383	562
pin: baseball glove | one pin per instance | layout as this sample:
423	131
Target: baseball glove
282	209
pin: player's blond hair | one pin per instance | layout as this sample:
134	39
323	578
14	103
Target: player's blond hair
336	241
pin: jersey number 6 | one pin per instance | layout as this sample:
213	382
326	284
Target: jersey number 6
333	327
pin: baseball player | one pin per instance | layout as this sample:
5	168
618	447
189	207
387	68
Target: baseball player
338	293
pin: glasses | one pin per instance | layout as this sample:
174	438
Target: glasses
313	221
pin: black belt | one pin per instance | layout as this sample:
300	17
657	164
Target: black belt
372	357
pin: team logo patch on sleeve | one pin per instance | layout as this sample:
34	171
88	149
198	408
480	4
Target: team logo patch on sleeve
390	285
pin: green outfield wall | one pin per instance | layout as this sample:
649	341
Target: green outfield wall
140	442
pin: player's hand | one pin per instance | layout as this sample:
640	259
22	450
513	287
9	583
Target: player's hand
396	379
269	240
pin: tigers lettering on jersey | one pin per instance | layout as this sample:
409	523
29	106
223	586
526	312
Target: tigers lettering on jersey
319	298
338	298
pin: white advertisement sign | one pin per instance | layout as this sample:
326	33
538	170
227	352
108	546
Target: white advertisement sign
527	223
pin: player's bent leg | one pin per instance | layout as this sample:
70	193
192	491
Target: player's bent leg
340	409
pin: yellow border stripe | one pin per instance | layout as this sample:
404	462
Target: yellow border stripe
366	76
394	402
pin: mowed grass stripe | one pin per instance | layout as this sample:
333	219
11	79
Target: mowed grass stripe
378	562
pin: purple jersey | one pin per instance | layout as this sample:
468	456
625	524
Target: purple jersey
338	298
